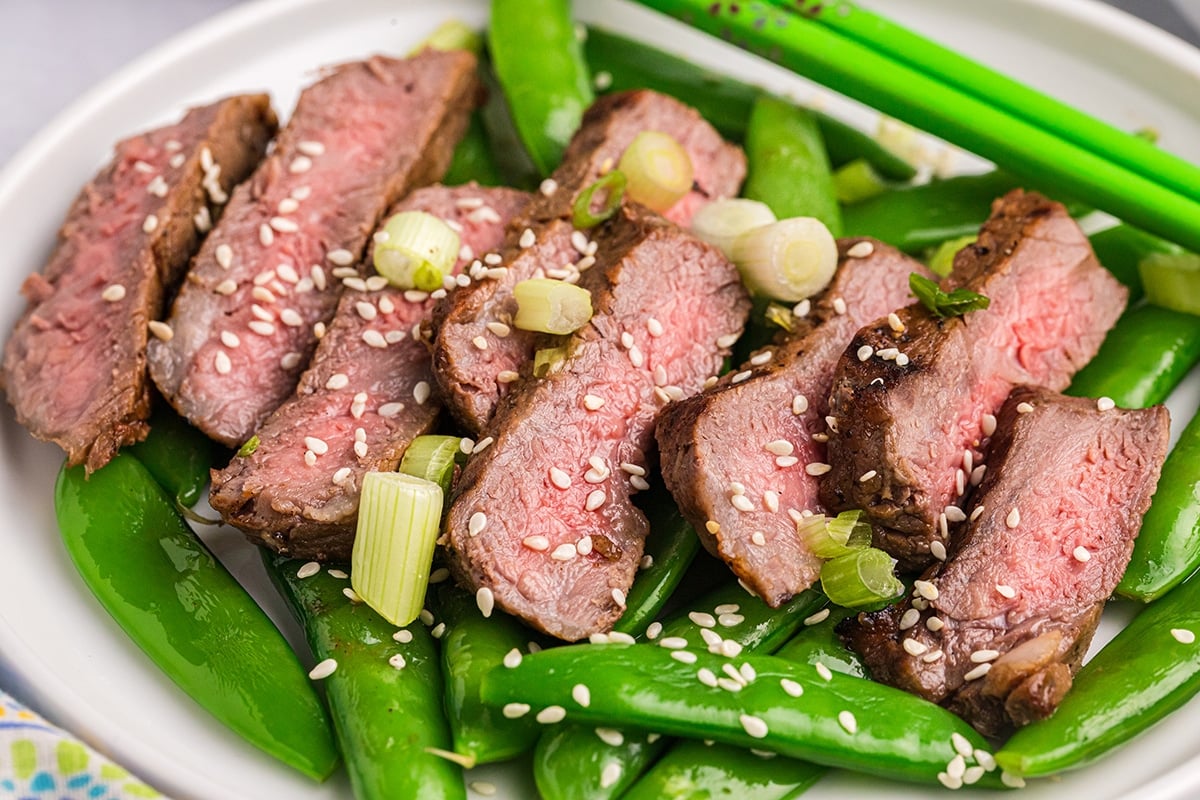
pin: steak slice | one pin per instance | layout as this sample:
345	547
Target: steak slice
75	364
473	380
1050	534
247	319
751	435
919	424
368	374
542	518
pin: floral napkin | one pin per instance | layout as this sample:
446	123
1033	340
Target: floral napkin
40	762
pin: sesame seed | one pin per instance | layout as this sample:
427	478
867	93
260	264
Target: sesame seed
728	340
707	677
480	343
937	550
1105	404
421	392
365	310
703	619
506	376
984	656
741	376
635	357
817	468
536	542
266	236
771	501
161	330
548	187
954	514
910	618
861	249
913	647
559	478
866	476
848	722
323	670
1024	408
901	361
551	714
894	322
485	600
592	402
308	570
340	476
948	781
977	474
673	642
926	589
595	499
581	695
712	526
823	671
1012	780
310	147
149	223
527	238
386	306
977	513
1183	635
730	620
684	656
802	308
439	575
865	352
300	164
956	767
310	458
839	305
515	710
799	404
176	161
654	629
499	329
780	447
388	410
565	552
960	481
754	726
931	656
476	523
291	317
113	293
888	353
202	220
221	363
610	774
758	538
978	672
483	788
1014	518
1006	591
817	618
283	225
729	684
1081	554
741	502
262	294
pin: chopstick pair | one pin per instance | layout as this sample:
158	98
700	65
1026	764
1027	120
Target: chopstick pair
906	76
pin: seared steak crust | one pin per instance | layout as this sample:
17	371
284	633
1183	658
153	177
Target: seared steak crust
75	365
543	241
1051	532
919	424
542	517
365	396
754	436
264	284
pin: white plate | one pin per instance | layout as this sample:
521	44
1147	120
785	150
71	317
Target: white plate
59	650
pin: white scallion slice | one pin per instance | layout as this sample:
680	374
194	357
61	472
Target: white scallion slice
418	251
399	517
658	171
453	34
787	260
839	536
551	306
1172	280
721	222
857	181
548	360
862	578
433	458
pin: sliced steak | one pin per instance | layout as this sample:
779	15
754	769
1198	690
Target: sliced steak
75	365
1051	532
363	399
543	241
737	457
542	518
247	319
918	424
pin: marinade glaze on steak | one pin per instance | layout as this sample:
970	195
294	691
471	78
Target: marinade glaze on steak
1051	532
542	518
473	379
75	365
918	429
246	321
363	399
753	436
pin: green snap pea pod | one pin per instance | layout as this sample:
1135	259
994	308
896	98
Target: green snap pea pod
692	770
1143	358
723	101
472	159
820	644
539	62
671	547
573	762
177	455
472	645
513	163
188	614
1167	550
787	166
841	721
1120	249
385	694
1148	670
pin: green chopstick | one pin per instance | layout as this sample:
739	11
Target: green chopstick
896	89
1018	99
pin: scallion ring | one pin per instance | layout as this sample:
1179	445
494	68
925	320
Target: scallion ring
658	171
788	260
551	306
721	222
861	578
611	188
417	252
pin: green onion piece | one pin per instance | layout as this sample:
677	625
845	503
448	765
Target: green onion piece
1172	280
780	316
861	578
942	260
945	304
399	518
658	171
433	458
839	536
417	251
787	260
548	360
721	222
551	306
611	189
249	447
857	181
453	34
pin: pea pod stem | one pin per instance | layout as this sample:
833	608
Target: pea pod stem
188	614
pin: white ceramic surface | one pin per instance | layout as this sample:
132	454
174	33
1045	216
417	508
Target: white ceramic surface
60	651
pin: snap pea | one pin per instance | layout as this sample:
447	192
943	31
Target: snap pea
386	713
472	159
693	770
1148	670
472	645
787	166
820	644
539	63
177	455
188	614
671	547
513	163
840	722
1120	249
1143	358
570	760
1168	548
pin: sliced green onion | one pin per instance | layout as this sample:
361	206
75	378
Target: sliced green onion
942	260
721	222
249	447
658	171
861	578
611	189
858	181
453	34
548	360
433	458
1172	280
945	304
839	536
550	306
417	251
787	260
780	316
399	518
